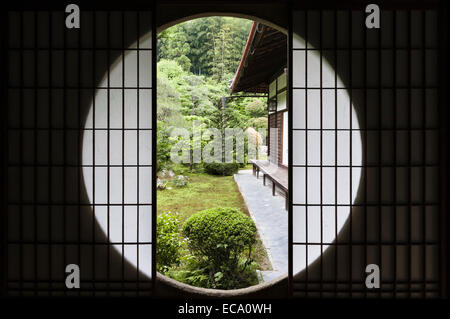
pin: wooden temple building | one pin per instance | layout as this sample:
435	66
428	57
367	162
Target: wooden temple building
263	70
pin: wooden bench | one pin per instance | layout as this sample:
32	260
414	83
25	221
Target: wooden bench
278	175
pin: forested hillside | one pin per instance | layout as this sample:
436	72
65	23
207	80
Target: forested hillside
197	61
209	46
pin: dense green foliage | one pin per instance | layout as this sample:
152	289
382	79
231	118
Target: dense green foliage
190	101
197	272
225	169
207	46
184	98
220	236
169	241
163	146
197	60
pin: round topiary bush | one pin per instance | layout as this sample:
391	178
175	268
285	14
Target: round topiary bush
220	236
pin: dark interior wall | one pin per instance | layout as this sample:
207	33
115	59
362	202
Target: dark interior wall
53	74
392	77
399	193
272	13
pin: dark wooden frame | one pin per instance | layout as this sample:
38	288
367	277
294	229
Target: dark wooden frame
289	6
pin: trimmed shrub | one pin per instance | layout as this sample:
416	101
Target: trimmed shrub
169	241
197	273
219	237
226	169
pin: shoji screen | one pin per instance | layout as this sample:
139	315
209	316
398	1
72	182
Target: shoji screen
365	151
79	152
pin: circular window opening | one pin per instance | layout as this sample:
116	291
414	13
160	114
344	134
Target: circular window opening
117	144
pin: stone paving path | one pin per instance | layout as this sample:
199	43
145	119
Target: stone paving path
270	218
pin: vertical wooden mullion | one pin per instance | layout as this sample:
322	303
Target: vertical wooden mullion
290	107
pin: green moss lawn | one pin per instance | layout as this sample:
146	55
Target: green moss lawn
207	191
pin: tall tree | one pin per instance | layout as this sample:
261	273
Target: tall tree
199	44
